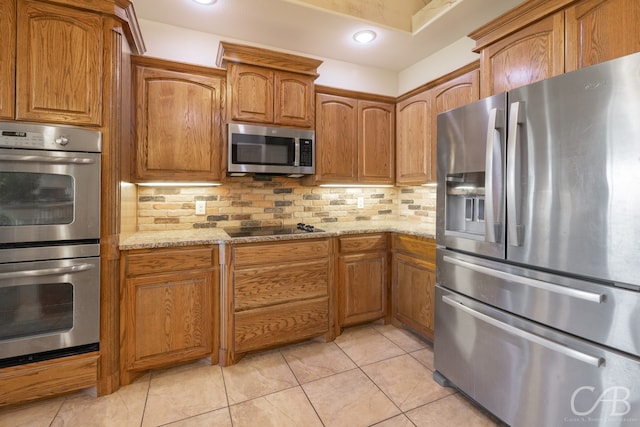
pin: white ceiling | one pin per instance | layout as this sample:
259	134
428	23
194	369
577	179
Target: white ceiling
320	33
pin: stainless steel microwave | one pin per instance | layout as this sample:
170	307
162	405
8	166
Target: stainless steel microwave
270	150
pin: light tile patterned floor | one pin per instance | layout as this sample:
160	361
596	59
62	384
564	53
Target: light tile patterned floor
371	375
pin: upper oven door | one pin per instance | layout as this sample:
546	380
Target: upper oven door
49	196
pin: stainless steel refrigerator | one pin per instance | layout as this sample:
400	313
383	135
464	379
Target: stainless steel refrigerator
538	259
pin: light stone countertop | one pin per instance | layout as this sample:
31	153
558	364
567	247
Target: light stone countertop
209	236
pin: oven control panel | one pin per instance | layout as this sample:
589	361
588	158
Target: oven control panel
19	139
49	137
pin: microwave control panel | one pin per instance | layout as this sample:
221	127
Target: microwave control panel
306	152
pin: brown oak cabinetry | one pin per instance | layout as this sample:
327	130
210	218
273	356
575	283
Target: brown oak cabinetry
178	121
541	39
169	311
7	58
413	139
354	140
362	278
276	293
600	30
269	96
417	113
51	63
413	283
268	87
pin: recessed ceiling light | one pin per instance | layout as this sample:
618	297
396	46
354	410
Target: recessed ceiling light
364	36
205	1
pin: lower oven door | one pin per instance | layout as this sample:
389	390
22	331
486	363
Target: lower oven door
531	375
48	306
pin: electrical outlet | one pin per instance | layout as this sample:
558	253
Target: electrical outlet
201	207
360	202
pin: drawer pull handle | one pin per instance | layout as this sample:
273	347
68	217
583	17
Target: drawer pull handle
570	292
551	345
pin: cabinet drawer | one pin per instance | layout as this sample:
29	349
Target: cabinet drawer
284	323
415	246
160	261
362	243
262	286
280	252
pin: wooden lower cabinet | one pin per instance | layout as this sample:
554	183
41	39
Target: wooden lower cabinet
362	278
34	381
413	283
276	293
169	311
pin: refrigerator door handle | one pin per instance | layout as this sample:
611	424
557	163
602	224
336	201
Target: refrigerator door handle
537	339
493	176
569	292
514	192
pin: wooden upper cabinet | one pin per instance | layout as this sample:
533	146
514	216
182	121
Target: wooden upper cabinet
336	139
528	55
251	93
269	87
59	64
376	148
413	140
354	140
293	99
600	30
450	94
178	124
7	58
270	96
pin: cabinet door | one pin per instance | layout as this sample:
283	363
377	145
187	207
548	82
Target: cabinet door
362	287
413	285
533	53
336	139
7	58
170	318
178	125
293	99
600	30
451	94
376	137
59	63
251	93
413	140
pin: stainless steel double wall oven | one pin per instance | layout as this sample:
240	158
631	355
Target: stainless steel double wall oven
49	241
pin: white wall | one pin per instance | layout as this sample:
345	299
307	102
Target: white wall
440	63
195	47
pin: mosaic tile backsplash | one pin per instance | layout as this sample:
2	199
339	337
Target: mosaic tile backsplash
248	202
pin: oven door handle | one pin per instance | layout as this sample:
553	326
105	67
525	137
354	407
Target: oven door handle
46	271
46	159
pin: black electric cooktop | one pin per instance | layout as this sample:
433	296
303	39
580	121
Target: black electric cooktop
299	228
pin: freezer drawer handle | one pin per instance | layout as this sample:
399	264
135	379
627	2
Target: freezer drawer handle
46	271
551	345
570	292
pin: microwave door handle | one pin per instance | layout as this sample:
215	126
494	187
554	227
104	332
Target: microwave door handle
493	176
46	159
514	191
